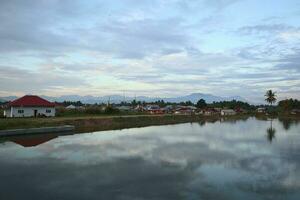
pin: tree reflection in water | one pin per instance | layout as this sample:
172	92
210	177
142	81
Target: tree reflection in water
271	132
287	123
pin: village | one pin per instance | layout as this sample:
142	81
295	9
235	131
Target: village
35	106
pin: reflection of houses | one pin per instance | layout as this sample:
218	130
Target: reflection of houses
261	110
30	106
226	112
32	140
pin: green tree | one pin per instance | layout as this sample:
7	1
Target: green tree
270	97
201	104
133	103
289	104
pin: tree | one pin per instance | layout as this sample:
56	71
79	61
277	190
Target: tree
201	104
270	97
133	103
289	104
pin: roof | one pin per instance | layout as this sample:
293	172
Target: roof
227	110
31	100
71	106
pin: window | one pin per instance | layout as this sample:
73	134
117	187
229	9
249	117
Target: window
48	111
20	111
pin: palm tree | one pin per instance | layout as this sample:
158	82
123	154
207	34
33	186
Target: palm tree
270	97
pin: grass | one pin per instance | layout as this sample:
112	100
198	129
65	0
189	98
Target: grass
102	122
110	122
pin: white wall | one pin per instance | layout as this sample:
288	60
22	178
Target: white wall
6	112
225	112
29	111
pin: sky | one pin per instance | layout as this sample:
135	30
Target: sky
157	48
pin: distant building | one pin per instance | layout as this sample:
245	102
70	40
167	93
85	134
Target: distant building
124	108
185	110
295	111
168	109
139	108
217	109
209	112
261	110
30	106
154	109
240	110
71	107
226	112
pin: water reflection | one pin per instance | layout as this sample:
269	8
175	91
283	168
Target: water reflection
33	140
287	123
217	160
271	132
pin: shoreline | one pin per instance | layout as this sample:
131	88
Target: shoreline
102	123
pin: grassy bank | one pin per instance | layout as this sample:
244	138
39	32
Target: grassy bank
99	123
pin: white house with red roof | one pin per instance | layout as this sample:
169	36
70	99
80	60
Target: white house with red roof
30	106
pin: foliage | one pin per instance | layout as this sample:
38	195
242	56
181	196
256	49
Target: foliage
1	113
271	134
289	104
201	104
233	105
270	97
110	110
187	103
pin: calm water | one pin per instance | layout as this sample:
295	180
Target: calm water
223	160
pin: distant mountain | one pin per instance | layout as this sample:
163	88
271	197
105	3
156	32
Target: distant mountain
209	98
9	98
194	97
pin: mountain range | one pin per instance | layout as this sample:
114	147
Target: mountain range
194	97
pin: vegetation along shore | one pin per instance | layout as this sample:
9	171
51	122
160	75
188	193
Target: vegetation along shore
98	117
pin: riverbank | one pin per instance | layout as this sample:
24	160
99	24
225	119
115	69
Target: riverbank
99	123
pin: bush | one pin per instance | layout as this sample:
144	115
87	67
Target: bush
111	110
1	113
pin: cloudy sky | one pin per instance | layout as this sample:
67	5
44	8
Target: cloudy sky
150	47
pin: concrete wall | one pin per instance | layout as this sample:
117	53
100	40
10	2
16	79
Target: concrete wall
29	111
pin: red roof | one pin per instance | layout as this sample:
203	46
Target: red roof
31	100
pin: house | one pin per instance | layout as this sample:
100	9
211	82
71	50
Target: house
185	110
240	110
139	108
209	112
261	110
295	111
71	107
218	110
124	108
168	109
154	109
30	106
226	112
